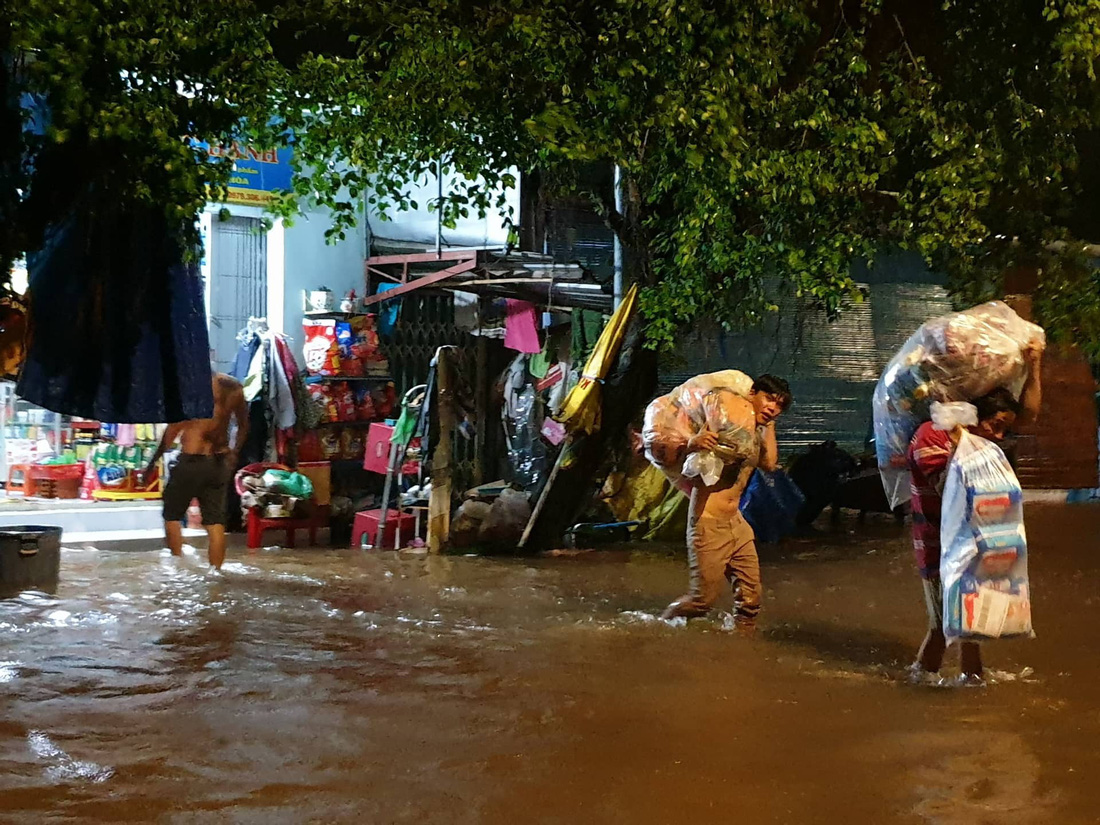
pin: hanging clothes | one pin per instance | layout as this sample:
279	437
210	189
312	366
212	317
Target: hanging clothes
520	332
466	314
587	326
117	319
281	398
249	342
388	311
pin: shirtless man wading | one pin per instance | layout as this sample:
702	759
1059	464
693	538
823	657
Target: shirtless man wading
203	468
721	544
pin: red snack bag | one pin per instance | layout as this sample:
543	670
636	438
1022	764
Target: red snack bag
330	443
364	338
385	400
321	350
351	367
365	405
309	447
344	400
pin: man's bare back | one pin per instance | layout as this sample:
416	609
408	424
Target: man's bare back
210	436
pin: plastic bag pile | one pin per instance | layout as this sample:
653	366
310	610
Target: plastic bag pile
957	357
717	400
983	561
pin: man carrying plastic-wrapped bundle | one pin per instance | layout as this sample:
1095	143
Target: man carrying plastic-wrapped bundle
709	435
929	459
957	357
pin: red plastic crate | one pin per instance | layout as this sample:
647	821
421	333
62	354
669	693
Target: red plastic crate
367	522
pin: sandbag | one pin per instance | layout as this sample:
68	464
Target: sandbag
983	561
957	357
716	400
467	522
507	518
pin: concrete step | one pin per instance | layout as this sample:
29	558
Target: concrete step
83	516
146	540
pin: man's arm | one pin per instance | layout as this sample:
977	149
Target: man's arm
1031	399
170	437
769	450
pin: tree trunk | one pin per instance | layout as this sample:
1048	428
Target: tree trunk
629	386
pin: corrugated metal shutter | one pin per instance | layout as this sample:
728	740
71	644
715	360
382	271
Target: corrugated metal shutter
832	367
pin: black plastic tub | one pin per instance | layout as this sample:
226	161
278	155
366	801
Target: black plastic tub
30	559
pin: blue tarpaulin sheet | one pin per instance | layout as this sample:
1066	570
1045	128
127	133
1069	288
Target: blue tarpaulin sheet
770	503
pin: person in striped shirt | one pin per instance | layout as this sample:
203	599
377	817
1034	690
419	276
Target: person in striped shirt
929	455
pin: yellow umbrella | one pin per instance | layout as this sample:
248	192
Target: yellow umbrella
582	407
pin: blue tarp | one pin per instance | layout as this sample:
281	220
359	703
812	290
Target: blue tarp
770	503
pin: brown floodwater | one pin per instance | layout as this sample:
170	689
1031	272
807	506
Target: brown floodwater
340	686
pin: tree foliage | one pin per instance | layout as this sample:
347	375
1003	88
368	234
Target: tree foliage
763	145
114	88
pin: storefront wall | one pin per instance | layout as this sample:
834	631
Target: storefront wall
250	272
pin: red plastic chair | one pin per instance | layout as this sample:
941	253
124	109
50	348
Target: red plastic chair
258	524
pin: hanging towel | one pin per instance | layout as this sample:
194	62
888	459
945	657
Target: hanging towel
520	332
253	381
466	311
388	311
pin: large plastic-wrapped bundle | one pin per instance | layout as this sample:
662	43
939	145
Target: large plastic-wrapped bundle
717	400
983	561
957	357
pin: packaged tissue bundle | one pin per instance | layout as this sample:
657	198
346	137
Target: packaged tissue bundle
983	564
957	357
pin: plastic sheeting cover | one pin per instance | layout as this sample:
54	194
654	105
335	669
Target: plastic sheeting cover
957	357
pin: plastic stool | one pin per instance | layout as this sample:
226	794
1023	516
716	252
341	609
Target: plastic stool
258	524
366	524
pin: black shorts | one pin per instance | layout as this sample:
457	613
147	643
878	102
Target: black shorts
202	477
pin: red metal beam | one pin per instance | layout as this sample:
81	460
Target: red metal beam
423	257
419	283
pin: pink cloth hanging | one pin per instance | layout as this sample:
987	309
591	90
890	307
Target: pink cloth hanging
127	435
520	332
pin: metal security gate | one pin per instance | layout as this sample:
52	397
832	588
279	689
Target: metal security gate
427	322
237	289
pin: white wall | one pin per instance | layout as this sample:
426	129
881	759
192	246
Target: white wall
311	263
298	258
419	225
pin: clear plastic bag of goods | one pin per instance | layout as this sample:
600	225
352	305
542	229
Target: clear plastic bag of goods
715	400
983	561
957	357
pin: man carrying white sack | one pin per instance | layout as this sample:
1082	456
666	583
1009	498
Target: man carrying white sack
721	544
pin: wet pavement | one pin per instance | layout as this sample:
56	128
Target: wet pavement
337	686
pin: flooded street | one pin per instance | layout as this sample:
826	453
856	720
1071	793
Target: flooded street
337	686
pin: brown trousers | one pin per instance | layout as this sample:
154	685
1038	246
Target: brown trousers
721	550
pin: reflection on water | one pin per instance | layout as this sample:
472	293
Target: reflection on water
337	686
